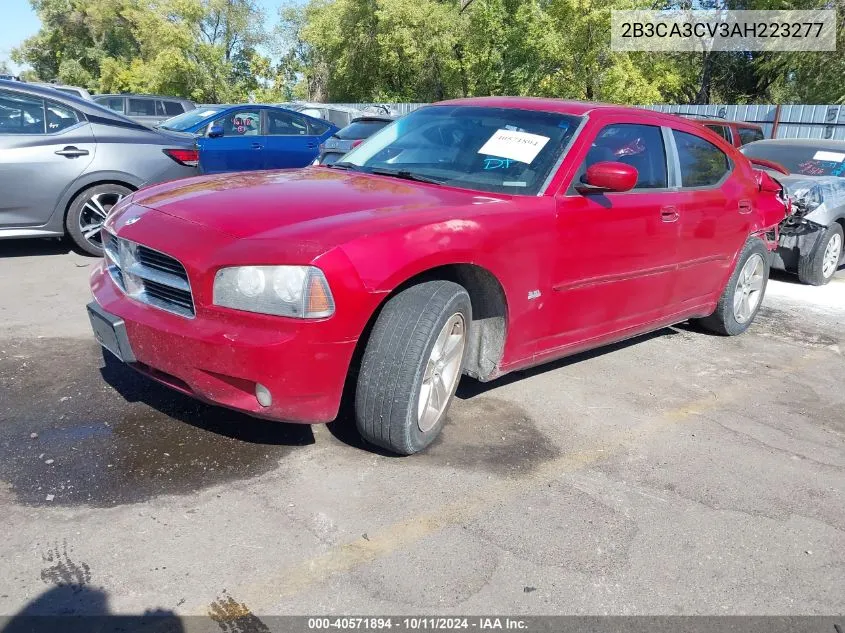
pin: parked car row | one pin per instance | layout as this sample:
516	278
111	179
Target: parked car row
250	137
477	236
86	156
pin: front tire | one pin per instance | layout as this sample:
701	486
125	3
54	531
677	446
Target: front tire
819	267
743	295
87	213
411	366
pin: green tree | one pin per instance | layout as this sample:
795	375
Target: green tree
202	49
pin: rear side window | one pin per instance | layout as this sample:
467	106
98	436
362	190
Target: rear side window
749	135
21	114
172	108
640	146
360	129
112	103
702	163
722	130
281	123
60	118
142	107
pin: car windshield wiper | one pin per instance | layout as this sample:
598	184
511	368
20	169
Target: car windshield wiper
344	165
405	175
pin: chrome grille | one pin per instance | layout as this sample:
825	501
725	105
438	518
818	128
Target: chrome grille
149	276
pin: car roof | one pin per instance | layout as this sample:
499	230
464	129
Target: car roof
820	143
577	108
87	107
135	94
728	122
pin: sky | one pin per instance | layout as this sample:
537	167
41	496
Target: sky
19	22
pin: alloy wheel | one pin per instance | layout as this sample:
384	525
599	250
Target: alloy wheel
832	255
94	213
749	288
442	372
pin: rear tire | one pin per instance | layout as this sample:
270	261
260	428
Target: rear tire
87	213
819	267
412	365
743	295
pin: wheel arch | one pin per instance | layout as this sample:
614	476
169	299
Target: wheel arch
488	331
77	190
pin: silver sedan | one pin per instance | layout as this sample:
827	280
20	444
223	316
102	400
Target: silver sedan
65	161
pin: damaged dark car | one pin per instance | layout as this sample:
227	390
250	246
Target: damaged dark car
813	173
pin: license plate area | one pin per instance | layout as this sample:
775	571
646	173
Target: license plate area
110	332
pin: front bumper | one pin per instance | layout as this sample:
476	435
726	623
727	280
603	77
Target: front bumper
796	238
221	360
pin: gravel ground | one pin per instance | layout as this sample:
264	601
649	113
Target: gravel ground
678	473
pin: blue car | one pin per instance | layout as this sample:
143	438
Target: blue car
249	137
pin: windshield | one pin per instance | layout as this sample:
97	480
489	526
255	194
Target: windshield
182	122
496	150
807	160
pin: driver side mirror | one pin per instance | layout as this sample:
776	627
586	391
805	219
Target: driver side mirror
216	131
607	176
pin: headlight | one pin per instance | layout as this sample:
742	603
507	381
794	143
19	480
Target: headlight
294	291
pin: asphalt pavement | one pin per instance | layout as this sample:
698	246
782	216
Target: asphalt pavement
677	473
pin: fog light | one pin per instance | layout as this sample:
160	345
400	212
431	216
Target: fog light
262	394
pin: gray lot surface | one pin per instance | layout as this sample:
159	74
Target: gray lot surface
677	473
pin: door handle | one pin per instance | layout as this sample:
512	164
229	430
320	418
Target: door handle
669	214
312	145
257	146
745	206
72	152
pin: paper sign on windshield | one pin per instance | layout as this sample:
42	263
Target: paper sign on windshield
519	146
836	157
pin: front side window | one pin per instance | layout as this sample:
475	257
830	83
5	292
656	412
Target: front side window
112	103
496	150
142	107
240	123
749	135
640	146
21	114
702	163
282	123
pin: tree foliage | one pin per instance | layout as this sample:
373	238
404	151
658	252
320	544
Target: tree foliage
407	50
206	50
424	50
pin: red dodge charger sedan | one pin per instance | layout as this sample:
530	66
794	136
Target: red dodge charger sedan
476	236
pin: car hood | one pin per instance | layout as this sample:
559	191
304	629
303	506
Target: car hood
309	203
